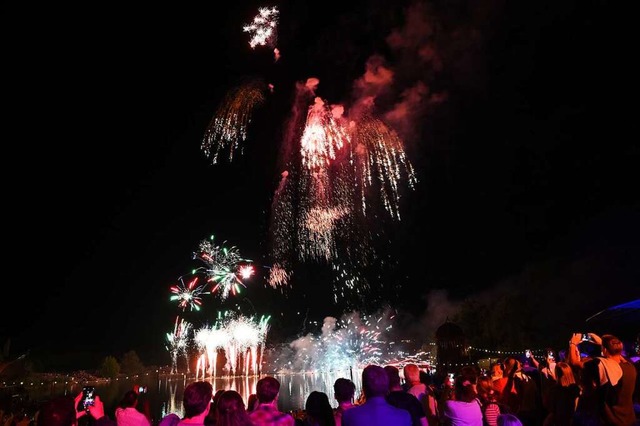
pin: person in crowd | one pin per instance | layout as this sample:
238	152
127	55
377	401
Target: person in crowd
562	398
171	419
418	389
196	403
231	411
547	365
608	383
488	401
509	420
267	413
464	408
62	411
521	394
545	371
210	420
318	410
445	390
398	397
127	414
343	391
252	402
376	411
498	379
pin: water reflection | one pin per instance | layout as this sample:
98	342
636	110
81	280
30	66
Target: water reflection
165	392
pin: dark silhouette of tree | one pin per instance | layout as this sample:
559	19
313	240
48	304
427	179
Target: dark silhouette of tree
110	367
131	363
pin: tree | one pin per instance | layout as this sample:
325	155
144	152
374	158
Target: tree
110	367
131	363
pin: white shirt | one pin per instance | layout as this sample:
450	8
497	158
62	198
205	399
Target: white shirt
459	413
130	416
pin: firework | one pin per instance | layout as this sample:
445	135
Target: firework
322	136
263	27
278	276
380	160
241	339
228	127
178	343
188	295
225	268
352	342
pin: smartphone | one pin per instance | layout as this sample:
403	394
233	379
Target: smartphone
527	353
142	389
551	357
585	337
87	397
451	377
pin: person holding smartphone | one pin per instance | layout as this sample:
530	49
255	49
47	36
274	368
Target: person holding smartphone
63	411
547	366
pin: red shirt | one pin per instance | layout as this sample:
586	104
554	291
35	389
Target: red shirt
268	415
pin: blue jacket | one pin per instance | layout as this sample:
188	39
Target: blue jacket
376	411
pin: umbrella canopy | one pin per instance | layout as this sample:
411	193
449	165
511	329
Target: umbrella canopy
622	320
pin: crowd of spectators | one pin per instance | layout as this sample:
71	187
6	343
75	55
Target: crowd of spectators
593	382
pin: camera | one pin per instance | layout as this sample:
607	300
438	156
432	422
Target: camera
87	400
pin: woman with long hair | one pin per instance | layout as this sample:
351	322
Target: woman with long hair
318	410
562	398
231	410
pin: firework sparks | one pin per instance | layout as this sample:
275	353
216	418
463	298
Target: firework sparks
322	136
263	28
228	127
241	338
381	159
278	276
351	342
178	342
225	268
188	295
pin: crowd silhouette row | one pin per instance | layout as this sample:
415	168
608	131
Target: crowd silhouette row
593	382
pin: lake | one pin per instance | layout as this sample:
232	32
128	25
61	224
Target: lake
164	393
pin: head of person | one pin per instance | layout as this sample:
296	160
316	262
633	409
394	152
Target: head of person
252	403
496	371
411	373
471	372
485	388
564	374
230	409
318	408
211	416
508	420
464	389
550	356
197	398
512	364
375	381
611	345
394	376
344	390
130	399
58	411
426	378
267	389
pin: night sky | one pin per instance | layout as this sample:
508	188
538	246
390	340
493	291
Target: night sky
522	145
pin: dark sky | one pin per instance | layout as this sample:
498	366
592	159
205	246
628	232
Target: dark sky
522	147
